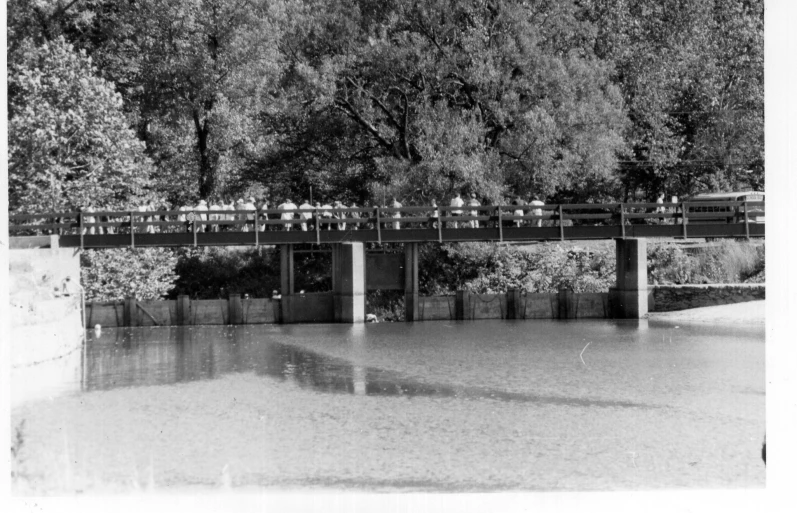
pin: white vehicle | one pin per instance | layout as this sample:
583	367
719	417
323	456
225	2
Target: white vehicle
702	212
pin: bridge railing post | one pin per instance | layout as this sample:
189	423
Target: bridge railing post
440	213
684	218
378	226
500	225
193	226
622	220
317	226
132	229
561	224
257	231
746	221
80	227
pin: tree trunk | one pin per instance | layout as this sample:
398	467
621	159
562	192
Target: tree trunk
207	178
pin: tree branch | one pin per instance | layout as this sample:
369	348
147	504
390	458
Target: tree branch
348	109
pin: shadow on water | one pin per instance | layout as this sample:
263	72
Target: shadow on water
132	360
327	374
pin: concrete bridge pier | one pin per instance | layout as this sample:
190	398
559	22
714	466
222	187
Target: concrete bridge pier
348	282
629	299
411	282
286	269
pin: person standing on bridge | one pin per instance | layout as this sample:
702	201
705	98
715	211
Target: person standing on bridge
287	215
396	214
88	219
354	215
339	215
213	216
536	202
473	202
324	215
305	214
203	208
660	207
261	206
518	212
251	210
435	218
458	203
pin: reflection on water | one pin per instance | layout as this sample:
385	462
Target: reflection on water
135	359
444	406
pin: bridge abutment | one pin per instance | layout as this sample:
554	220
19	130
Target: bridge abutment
629	298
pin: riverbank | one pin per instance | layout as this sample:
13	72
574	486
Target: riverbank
751	312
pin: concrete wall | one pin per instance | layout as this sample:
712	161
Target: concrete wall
308	308
45	332
667	298
200	312
436	308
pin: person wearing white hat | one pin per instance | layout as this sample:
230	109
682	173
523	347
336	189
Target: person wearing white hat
202	207
458	203
264	215
250	218
214	216
325	212
473	202
240	216
227	217
287	215
305	214
88	220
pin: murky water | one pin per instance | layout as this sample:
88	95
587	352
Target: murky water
436	406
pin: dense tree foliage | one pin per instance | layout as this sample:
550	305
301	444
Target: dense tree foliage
358	100
69	142
113	274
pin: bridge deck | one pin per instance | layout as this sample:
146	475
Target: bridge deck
416	224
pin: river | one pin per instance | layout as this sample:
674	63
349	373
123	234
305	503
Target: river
431	406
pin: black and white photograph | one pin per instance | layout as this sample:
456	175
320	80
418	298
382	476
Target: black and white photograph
330	255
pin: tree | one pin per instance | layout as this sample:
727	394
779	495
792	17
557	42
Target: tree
428	97
692	78
69	142
205	68
112	274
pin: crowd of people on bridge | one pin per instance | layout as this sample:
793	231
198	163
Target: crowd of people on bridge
250	214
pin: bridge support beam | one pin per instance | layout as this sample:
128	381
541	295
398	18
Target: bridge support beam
629	299
411	282
348	280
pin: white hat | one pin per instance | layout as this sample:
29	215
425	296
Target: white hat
202	202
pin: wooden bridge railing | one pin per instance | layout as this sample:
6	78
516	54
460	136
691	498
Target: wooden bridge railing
378	219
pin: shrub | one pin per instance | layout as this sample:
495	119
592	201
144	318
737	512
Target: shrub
488	268
727	261
209	273
143	274
387	305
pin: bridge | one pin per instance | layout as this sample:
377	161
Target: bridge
502	223
348	229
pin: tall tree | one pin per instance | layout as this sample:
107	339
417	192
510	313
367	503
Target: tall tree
692	80
204	66
492	97
69	143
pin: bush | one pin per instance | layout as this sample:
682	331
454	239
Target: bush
727	261
387	305
209	273
488	268
112	274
